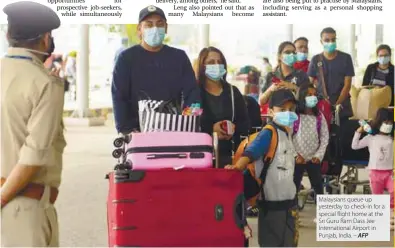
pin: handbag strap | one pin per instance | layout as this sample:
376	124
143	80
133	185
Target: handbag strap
143	95
233	102
233	116
374	69
320	65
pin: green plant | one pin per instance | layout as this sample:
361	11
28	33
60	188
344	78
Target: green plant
131	33
231	70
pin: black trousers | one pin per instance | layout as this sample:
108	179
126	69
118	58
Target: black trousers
246	243
278	228
314	173
224	160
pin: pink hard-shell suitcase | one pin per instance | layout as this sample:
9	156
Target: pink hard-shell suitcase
159	150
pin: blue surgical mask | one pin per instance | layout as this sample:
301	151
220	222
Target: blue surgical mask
286	118
154	36
215	72
311	101
289	59
301	56
384	60
330	47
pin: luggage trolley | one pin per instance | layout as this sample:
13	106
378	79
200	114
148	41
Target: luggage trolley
350	179
265	118
332	170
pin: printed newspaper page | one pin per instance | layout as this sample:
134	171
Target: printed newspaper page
216	123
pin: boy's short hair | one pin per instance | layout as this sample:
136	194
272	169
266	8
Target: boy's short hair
279	97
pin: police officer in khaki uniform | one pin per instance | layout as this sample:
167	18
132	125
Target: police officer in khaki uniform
32	140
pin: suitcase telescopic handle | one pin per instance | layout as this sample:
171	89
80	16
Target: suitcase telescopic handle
161	156
239	211
215	145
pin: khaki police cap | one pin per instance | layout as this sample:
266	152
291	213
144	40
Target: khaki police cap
28	20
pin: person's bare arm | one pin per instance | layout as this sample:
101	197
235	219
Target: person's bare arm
264	98
240	165
254	151
267	89
313	80
345	91
287	85
18	179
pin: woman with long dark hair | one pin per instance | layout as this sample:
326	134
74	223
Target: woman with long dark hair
220	102
381	73
284	75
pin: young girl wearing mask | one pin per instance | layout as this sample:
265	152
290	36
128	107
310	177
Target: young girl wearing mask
310	138
381	150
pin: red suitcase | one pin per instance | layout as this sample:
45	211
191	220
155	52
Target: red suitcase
175	208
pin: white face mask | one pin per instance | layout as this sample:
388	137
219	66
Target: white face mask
386	128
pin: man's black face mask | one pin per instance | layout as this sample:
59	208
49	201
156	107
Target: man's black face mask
50	49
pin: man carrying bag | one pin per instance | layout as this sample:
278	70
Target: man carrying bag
162	72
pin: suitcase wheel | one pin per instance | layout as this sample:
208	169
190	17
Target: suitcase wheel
367	190
118	142
123	167
117	153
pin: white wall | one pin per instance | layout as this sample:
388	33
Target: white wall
3	40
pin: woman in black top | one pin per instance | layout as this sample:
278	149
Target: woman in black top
284	75
381	73
218	104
